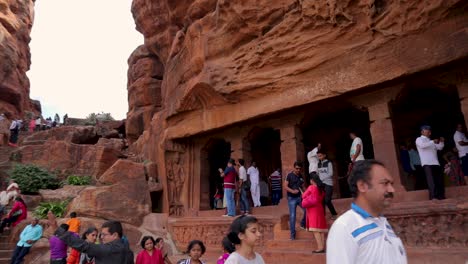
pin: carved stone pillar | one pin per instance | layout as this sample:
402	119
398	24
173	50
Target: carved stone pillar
383	140
292	149
463	94
381	128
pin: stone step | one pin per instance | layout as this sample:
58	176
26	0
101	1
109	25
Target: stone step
287	244
6	253
301	234
281	256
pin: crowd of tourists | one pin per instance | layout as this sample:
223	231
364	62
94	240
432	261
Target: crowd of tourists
32	124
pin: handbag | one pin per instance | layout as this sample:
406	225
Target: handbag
309	201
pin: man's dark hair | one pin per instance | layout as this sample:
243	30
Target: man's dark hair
157	240
73	214
361	172
241	162
114	227
64	227
298	164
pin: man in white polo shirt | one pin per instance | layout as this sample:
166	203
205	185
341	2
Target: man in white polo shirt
461	142
427	150
362	235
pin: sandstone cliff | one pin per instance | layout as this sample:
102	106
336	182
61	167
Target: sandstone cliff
223	53
16	19
227	61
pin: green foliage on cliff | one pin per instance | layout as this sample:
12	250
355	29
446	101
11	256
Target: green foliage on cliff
58	208
78	180
31	178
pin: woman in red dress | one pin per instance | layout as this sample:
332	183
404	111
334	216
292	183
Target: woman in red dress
315	217
149	255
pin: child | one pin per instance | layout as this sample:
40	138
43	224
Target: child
218	199
228	248
195	250
74	224
246	233
312	201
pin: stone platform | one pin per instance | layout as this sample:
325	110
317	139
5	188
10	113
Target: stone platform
432	231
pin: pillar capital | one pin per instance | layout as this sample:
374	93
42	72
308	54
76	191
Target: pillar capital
378	97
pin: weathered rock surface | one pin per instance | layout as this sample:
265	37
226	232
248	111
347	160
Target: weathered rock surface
16	19
249	58
70	150
122	194
144	91
68	192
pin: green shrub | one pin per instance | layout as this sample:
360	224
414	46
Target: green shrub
31	178
78	180
58	208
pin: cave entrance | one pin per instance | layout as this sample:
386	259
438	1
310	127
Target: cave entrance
156	202
265	150
330	124
418	105
214	155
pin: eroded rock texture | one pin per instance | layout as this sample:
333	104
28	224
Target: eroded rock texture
16	19
279	54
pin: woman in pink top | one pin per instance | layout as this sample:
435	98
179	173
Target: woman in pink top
18	213
312	201
149	255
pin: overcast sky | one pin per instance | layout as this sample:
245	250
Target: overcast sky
79	52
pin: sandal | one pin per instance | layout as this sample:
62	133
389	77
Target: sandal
319	251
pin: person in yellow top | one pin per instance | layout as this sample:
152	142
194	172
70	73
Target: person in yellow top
74	224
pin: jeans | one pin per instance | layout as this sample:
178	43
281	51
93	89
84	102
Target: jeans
293	202
230	203
275	197
18	254
244	201
328	200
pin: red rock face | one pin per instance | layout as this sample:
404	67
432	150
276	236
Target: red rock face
258	57
16	18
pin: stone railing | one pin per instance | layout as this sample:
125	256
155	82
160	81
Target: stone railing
210	230
441	224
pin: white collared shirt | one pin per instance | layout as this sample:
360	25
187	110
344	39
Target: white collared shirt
457	137
358	238
254	175
313	160
427	150
242	173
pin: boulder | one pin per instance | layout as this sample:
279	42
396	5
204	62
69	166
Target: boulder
68	192
122	194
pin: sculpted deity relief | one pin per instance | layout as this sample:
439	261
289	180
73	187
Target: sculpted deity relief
175	182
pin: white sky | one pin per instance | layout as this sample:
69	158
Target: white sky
79	52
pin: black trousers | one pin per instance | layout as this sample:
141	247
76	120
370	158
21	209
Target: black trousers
435	181
328	199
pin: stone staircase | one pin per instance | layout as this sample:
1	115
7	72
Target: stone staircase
6	248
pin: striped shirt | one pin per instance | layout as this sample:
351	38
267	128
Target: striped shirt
357	237
275	178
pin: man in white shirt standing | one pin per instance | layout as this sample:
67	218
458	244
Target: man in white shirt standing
356	151
244	187
363	235
254	176
427	150
461	142
313	159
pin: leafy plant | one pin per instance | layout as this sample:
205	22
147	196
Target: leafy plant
31	178
58	208
78	180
